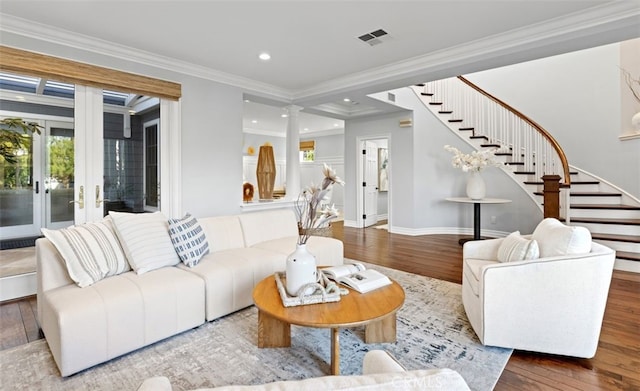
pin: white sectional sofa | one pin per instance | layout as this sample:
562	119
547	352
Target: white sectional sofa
119	314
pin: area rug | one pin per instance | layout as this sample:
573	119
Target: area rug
432	332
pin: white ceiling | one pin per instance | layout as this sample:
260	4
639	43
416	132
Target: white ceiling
317	59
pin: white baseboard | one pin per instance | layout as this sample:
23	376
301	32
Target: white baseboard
14	287
627	266
445	231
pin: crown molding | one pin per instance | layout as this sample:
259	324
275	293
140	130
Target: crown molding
609	16
46	33
617	14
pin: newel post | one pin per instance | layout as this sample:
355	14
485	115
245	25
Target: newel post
551	193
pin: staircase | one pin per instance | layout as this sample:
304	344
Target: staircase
610	214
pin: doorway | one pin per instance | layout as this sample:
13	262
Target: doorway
374	167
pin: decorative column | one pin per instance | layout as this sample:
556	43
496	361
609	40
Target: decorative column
293	153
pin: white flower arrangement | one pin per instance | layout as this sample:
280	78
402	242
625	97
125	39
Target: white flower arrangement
474	161
310	218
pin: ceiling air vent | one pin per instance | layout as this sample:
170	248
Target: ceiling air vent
374	38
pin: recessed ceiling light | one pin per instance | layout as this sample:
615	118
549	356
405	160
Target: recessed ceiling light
336	125
347	100
247	101
255	121
305	129
283	115
264	56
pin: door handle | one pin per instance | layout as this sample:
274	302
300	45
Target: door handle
37	187
98	200
80	201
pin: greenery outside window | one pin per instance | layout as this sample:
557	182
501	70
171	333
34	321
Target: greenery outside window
307	151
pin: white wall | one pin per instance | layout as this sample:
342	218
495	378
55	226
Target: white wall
211	148
399	144
577	98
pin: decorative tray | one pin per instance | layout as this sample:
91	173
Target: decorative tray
324	291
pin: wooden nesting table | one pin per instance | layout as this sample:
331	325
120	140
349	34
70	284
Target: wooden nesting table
376	310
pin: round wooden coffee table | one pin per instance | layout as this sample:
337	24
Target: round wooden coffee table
376	310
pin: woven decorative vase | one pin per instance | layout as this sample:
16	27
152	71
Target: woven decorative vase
266	172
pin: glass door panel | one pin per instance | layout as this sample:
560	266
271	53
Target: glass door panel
131	155
151	168
59	177
19	210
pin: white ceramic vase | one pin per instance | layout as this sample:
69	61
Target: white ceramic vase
301	269
476	189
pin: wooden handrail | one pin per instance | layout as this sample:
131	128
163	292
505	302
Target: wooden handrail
540	129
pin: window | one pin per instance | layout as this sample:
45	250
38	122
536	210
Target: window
307	151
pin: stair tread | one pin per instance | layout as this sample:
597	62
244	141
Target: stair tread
605	221
445	112
617	237
594	194
468	128
628	255
605	206
585	182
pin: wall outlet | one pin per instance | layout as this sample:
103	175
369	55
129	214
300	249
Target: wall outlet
493	219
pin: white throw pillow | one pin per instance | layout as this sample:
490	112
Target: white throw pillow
554	238
516	248
90	251
145	240
188	239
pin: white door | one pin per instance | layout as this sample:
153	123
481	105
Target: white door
21	186
370	184
59	177
38	186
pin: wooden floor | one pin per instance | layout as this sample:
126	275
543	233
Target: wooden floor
616	365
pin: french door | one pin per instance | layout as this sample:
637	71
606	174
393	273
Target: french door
58	177
36	188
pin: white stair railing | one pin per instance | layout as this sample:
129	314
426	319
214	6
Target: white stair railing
529	145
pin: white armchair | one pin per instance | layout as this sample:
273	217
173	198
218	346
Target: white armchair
551	304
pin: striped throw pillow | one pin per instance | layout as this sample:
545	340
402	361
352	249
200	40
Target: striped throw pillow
188	239
145	240
90	251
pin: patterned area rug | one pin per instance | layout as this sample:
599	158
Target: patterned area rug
432	331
